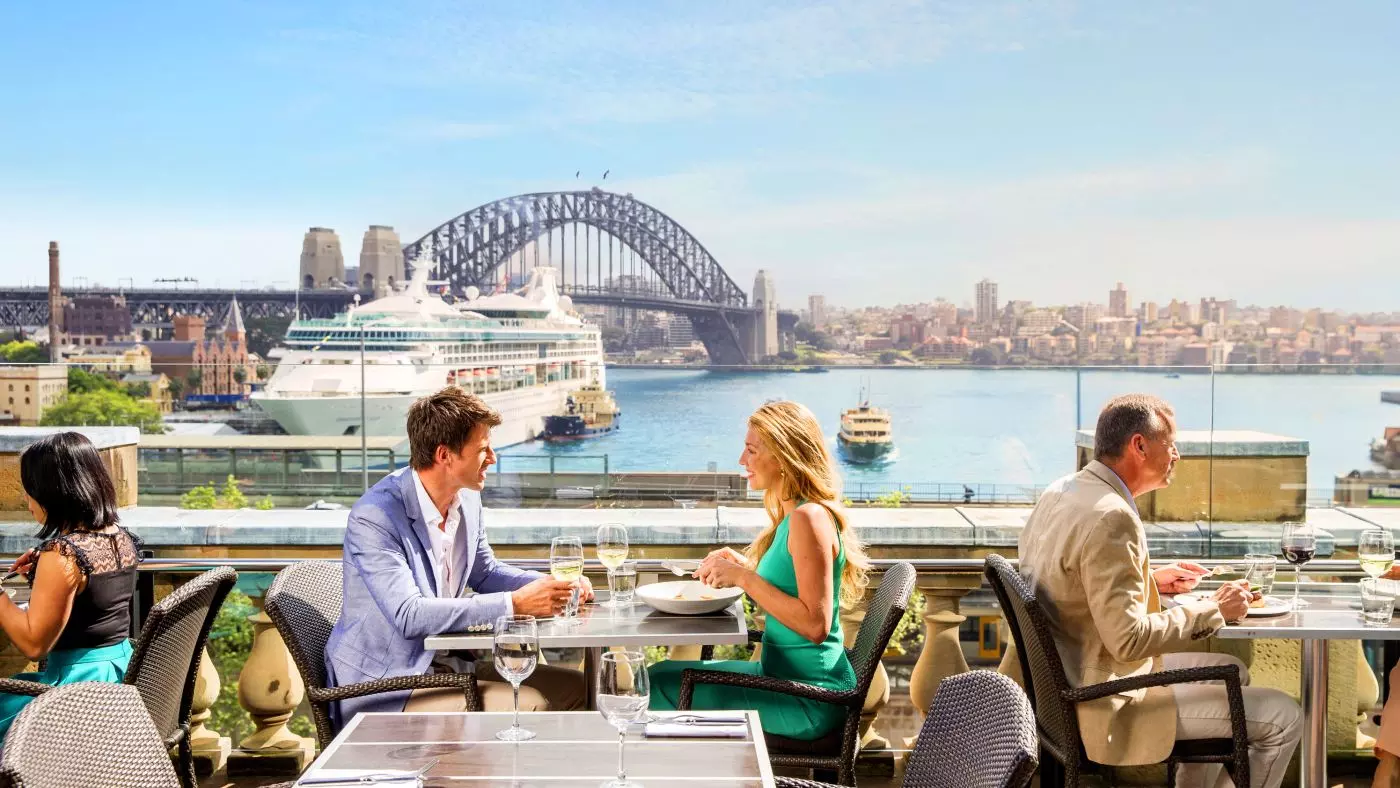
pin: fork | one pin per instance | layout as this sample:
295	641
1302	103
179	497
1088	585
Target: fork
370	779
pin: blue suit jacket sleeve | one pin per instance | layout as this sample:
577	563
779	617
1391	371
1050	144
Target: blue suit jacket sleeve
489	575
377	555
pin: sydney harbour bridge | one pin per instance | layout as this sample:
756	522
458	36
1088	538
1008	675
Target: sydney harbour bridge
610	250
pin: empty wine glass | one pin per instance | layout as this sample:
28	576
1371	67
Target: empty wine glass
566	565
1375	550
624	692
516	650
612	551
1299	547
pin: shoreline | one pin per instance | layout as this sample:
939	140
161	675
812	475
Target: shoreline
804	369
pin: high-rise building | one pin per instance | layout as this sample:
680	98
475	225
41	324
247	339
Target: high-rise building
816	306
1118	301
987	310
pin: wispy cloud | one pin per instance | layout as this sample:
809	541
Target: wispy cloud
452	130
658	61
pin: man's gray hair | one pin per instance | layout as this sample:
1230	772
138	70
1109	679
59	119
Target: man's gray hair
1126	416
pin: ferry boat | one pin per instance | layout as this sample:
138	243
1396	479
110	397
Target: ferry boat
523	352
865	435
589	412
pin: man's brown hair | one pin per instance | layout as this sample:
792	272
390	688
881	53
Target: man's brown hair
446	418
1126	416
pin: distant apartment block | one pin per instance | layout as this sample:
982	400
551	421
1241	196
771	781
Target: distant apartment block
986	301
25	391
1118	301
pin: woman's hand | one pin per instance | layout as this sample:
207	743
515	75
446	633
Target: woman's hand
730	554
25	563
721	571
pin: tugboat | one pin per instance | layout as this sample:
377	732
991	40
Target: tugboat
589	412
865	435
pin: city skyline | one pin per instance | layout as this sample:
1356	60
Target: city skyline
844	147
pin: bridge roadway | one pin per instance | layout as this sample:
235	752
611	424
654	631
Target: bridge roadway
29	306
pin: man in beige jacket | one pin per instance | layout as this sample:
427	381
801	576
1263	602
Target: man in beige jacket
1085	552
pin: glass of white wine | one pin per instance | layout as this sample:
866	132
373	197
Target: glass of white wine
624	692
612	551
566	565
1375	549
515	650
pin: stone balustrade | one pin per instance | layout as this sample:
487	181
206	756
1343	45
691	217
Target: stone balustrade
269	687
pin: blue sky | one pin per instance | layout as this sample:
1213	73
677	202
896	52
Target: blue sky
877	151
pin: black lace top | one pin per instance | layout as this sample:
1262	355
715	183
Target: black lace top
102	611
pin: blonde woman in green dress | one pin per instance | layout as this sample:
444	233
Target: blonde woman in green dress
799	570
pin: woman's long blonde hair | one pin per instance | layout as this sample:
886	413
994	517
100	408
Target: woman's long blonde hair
792	435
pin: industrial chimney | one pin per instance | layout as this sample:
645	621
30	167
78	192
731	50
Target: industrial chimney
55	304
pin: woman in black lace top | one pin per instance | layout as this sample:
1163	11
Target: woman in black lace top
82	575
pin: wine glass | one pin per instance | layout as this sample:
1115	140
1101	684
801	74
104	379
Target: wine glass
612	551
515	650
1375	550
624	692
566	565
1299	547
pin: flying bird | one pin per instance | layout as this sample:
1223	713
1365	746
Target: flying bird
576	172
605	174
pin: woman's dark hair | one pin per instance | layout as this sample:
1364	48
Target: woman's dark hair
65	475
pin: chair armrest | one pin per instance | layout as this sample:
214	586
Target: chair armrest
463	681
794	782
21	687
708	652
1226	673
691	677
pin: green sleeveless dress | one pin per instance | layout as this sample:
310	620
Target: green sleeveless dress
786	655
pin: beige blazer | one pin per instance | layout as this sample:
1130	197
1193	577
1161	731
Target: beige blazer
1085	552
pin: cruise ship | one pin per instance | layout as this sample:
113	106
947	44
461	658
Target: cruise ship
523	352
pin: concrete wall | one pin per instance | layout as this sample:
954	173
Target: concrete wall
117	445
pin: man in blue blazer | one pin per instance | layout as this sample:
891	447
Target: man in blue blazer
413	544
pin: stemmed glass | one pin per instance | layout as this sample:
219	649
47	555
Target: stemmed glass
1376	551
612	551
1299	547
516	650
566	565
624	692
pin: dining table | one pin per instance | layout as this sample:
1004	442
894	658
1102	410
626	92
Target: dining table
599	627
571	749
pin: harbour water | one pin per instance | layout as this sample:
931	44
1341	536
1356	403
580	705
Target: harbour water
1013	427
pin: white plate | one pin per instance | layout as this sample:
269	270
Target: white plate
687	597
1273	606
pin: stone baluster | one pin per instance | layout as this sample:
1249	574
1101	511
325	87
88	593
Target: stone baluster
942	654
270	689
879	693
210	749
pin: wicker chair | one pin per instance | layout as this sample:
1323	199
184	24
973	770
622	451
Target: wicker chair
86	735
165	660
837	750
304	603
979	733
1054	700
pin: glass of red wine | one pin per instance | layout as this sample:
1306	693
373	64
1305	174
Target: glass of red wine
1299	547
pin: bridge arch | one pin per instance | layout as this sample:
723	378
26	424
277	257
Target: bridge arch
469	248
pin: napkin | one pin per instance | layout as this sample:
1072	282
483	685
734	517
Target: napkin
385	778
713	726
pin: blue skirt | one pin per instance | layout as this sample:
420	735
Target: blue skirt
68	666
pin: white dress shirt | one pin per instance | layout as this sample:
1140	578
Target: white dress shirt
443	537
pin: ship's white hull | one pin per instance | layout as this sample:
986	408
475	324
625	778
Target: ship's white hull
522	412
